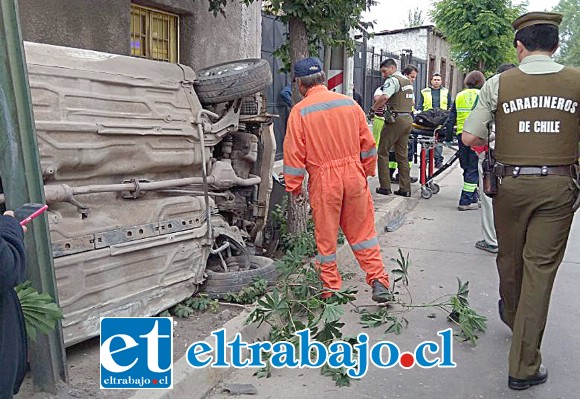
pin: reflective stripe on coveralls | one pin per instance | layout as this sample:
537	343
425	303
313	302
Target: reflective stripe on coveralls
328	136
326	258
365	244
326	106
290	170
368	154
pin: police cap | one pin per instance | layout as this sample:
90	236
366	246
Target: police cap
537	18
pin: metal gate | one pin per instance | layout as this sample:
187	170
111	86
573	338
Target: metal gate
273	36
367	70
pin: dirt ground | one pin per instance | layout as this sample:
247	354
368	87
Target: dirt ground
83	359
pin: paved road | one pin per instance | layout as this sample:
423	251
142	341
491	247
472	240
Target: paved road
440	241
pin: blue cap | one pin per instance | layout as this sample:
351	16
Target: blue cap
307	66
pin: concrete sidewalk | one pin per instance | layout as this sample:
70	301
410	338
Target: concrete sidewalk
440	241
193	384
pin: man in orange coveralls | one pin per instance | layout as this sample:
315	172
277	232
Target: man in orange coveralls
328	137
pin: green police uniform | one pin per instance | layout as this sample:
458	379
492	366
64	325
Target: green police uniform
401	100
537	117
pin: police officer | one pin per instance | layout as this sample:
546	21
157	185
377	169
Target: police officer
537	117
399	98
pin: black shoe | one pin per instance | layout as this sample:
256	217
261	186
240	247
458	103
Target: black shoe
520	384
439	165
402	193
395	179
384	191
381	294
501	311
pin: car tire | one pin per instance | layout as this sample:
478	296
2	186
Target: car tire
232	80
219	284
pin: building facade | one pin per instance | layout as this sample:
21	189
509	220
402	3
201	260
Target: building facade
181	31
426	45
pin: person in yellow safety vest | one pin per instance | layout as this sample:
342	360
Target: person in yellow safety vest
435	96
468	159
378	117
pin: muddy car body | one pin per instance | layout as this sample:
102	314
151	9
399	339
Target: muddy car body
143	182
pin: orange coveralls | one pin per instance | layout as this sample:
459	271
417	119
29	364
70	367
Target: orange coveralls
328	136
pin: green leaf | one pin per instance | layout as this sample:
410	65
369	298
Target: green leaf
339	376
329	332
332	312
40	311
182	311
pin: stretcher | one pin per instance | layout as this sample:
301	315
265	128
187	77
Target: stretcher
428	139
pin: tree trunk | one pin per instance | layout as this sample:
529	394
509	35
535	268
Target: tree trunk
298	48
297	212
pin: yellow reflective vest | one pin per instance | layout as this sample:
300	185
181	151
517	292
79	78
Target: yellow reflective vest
464	104
428	98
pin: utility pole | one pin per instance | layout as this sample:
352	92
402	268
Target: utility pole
22	183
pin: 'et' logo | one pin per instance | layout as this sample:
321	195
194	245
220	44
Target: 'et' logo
136	353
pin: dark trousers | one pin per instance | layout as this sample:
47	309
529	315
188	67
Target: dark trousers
397	136
468	161
533	215
438	154
393	159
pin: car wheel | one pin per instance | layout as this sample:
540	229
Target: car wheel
232	80
221	283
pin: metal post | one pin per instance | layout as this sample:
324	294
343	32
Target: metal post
327	60
22	183
365	93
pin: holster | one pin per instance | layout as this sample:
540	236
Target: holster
490	176
389	117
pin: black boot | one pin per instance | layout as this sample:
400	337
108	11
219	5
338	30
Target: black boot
519	384
402	193
381	294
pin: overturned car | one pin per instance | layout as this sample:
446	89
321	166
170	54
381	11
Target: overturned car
157	179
